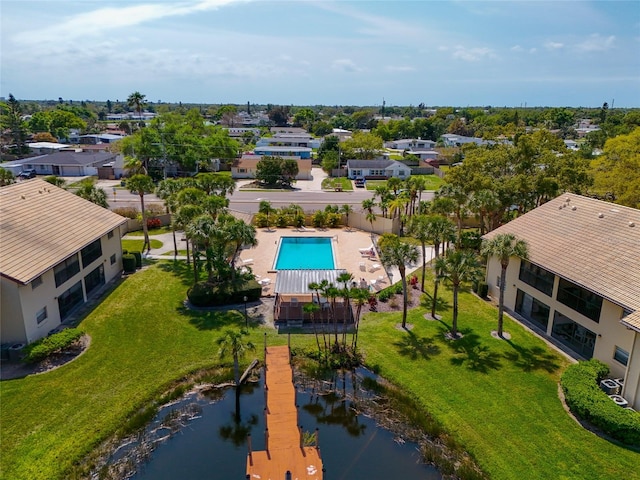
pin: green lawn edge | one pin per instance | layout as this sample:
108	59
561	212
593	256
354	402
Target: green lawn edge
143	340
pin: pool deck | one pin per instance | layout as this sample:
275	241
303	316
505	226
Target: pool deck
284	451
346	243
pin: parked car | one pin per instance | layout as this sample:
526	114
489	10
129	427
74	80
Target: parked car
359	181
27	174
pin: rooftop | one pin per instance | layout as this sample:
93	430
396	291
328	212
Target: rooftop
41	225
593	243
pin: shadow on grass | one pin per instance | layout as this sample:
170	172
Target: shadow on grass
179	269
529	359
470	352
214	319
413	347
426	301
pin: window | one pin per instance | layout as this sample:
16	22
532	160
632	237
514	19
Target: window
537	277
110	234
580	299
69	299
578	338
377	173
112	259
94	280
66	269
41	315
91	253
36	282
532	309
242	170
621	356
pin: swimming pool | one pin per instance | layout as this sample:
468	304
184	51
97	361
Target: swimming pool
305	253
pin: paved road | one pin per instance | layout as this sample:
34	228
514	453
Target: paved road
309	196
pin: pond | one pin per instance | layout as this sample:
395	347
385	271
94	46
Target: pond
201	436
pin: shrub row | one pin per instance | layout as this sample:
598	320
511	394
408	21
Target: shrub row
580	384
44	347
386	293
204	294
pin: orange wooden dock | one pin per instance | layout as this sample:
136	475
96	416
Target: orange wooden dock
285	452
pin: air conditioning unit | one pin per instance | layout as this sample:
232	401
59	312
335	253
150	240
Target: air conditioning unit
621	402
610	387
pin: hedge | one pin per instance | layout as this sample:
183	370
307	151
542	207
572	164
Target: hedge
580	384
44	347
204	294
129	263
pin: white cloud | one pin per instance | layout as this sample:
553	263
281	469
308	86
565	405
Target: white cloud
345	65
516	48
553	45
473	54
400	68
596	43
96	22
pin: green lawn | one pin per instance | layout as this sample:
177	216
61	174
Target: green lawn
499	399
136	245
433	182
331	183
152	231
142	340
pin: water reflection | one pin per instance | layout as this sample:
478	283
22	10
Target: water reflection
204	435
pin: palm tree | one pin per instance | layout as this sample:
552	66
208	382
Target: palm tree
137	100
346	209
89	191
504	246
457	267
360	296
440	229
142	184
6	177
53	180
167	190
485	203
458	202
265	208
311	309
345	278
419	229
395	253
232	342
367	206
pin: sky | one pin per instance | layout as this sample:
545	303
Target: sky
438	53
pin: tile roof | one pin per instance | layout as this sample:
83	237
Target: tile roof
41	225
593	243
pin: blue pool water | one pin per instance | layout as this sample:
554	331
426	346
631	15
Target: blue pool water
305	253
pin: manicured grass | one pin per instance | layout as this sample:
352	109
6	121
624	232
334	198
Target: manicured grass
331	183
152	231
432	182
180	252
136	245
142	339
498	398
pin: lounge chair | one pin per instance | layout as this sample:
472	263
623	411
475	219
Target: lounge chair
367	251
374	267
305	229
248	261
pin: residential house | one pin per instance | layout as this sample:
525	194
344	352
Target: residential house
58	250
247	167
277	151
41	148
580	287
289	130
289	140
70	163
411	144
374	169
452	140
94	139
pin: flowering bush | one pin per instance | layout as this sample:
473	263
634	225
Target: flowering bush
153	223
